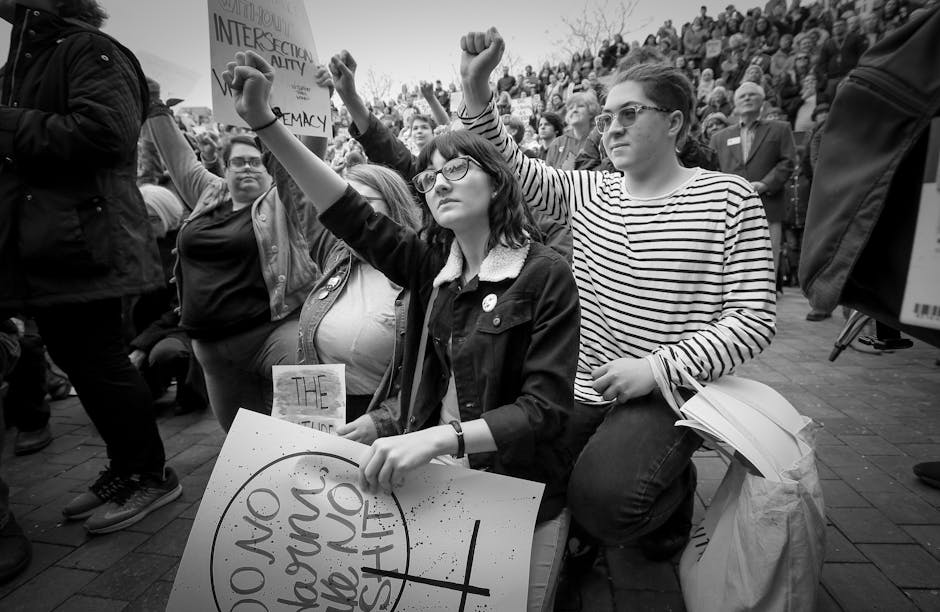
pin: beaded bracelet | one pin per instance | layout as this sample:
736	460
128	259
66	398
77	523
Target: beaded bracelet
277	115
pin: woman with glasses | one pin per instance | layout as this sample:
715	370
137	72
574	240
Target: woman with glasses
492	332
243	267
673	265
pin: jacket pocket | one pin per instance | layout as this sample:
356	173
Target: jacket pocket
65	238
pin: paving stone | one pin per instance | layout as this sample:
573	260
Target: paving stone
906	565
171	540
82	603
825	602
927	600
60	531
837	494
903	507
861	586
47	590
44	555
192	458
711	468
867	525
190	512
630	571
867	477
154	599
927	536
77	455
902	434
129	578
922	452
102	552
871	445
839	549
838	456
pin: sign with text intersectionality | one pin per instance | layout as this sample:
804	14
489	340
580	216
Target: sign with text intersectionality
279	31
285	526
310	395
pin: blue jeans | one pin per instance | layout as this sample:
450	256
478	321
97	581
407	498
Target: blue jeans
633	472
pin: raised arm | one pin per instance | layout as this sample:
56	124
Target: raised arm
379	143
394	250
437	111
549	191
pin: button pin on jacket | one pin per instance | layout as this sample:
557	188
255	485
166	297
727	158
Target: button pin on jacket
332	283
323	294
489	302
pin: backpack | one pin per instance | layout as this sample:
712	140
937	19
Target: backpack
864	202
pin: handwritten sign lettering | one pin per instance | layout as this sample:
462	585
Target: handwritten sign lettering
284	526
311	395
279	31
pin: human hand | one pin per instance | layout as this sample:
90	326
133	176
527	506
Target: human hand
361	430
322	77
208	144
481	53
137	358
343	69
623	379
250	78
388	460
427	90
759	187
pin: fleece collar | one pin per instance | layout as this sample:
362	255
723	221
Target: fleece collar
500	264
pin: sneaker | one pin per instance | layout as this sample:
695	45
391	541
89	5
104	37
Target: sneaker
105	488
886	344
15	550
143	495
28	442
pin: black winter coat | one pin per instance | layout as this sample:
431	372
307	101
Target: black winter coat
73	226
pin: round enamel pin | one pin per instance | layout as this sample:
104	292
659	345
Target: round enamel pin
489	302
331	284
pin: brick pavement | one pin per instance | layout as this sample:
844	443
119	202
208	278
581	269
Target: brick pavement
880	416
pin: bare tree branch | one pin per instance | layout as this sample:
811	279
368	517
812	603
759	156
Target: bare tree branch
377	87
587	30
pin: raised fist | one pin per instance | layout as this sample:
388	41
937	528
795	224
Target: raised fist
343	69
481	53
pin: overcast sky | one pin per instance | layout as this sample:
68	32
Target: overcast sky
407	40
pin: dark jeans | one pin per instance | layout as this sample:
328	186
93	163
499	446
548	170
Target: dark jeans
26	407
633	472
85	340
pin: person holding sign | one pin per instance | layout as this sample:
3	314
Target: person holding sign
671	262
243	266
492	334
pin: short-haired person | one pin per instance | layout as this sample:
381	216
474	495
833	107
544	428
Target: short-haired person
551	127
74	237
671	262
496	311
244	267
763	152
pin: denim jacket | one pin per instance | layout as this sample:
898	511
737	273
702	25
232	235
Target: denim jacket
384	408
509	336
283	231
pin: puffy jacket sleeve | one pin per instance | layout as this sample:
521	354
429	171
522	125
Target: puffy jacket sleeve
103	116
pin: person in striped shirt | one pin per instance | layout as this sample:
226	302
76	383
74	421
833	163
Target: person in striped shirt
669	262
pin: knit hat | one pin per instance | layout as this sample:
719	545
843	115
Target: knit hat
163	203
749	87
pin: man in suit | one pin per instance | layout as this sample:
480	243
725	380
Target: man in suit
763	152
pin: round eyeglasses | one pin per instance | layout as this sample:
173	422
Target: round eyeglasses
453	170
626	116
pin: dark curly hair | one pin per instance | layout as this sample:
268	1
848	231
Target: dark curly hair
88	11
510	219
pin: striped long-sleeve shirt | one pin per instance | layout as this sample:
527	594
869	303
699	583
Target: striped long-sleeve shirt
688	273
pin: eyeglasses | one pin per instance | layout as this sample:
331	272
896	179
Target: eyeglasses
626	116
453	170
239	163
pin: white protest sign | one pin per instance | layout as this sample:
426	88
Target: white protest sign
713	48
310	395
284	526
279	31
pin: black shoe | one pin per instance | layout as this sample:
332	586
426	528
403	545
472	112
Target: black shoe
15	550
886	344
816	315
664	542
929	473
581	551
28	442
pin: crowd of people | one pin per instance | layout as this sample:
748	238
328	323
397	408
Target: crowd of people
501	277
